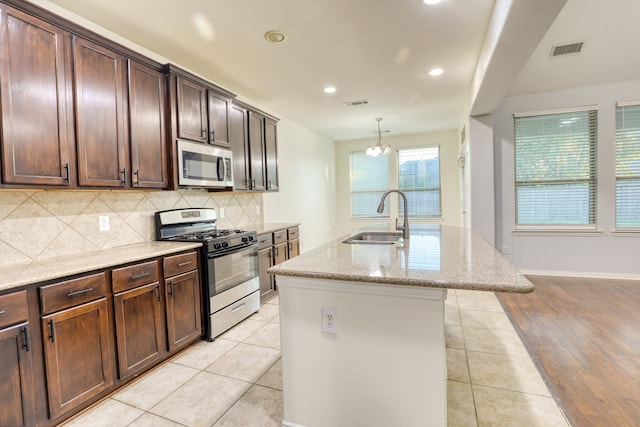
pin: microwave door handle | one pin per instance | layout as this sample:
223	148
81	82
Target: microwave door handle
220	160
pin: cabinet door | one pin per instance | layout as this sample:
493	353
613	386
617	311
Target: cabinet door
36	134
101	129
78	359
147	127
294	248
218	119
271	154
184	323
16	377
238	140
280	253
140	332
265	261
192	107
256	151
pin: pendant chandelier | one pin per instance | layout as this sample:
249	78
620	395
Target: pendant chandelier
379	149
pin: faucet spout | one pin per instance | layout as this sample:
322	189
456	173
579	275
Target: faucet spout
405	227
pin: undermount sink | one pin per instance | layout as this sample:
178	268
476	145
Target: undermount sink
375	238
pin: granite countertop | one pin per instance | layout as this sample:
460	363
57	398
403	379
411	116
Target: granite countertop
434	256
274	226
36	271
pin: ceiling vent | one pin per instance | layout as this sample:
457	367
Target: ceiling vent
566	49
356	103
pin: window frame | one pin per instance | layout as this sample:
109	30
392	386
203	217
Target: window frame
374	215
620	106
424	215
591	180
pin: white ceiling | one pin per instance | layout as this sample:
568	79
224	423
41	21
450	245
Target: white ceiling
377	50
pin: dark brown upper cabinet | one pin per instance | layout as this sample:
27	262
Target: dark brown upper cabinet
148	132
256	151
271	153
254	141
202	113
78	110
37	121
99	91
238	140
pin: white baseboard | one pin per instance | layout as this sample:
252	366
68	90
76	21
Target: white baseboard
625	276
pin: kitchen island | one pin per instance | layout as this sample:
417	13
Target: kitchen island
362	325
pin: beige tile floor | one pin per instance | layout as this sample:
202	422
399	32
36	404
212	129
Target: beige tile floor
236	380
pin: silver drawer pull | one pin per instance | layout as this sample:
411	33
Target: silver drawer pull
139	276
182	264
80	292
3	311
238	307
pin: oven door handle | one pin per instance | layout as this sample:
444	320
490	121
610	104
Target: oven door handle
252	247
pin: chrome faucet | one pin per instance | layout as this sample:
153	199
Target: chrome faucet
405	227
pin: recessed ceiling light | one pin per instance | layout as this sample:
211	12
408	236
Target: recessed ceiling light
430	2
274	36
329	89
436	72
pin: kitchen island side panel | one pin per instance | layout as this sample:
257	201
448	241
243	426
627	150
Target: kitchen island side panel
385	366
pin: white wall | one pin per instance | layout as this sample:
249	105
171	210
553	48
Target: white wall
306	174
602	253
449	176
481	177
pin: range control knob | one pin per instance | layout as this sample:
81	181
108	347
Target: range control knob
245	239
225	244
217	245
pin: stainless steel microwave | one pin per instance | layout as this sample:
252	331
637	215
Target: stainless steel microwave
201	165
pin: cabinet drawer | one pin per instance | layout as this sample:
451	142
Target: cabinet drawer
264	241
72	292
293	233
279	236
135	275
178	264
13	308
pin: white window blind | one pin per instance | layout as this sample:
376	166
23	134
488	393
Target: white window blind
369	177
419	179
628	166
555	168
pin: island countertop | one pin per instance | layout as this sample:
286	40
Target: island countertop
434	256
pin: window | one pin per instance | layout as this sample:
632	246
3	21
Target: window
419	179
555	168
369	178
628	165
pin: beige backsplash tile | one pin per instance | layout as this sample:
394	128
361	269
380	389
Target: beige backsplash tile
42	224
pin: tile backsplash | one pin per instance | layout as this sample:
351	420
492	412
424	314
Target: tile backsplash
42	224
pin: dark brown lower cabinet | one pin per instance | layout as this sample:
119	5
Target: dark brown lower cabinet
78	359
265	260
140	331
16	377
184	322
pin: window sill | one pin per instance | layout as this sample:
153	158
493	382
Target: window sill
621	232
580	231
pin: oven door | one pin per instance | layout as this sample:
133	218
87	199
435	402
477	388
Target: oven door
231	269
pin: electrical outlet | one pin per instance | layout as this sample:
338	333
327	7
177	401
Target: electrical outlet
329	320
257	210
505	249
221	210
103	223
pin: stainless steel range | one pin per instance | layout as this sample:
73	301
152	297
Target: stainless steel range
229	263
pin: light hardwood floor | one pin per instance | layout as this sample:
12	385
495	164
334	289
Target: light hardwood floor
584	336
